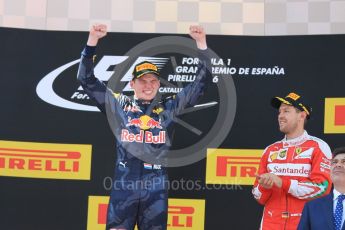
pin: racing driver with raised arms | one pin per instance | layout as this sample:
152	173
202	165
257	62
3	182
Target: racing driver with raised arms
140	130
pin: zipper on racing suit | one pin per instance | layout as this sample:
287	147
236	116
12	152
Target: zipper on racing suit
286	214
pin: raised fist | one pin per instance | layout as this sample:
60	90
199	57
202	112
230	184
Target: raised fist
199	35
97	32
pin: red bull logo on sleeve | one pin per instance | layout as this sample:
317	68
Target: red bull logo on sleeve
145	123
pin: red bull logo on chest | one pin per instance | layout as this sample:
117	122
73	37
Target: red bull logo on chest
145	123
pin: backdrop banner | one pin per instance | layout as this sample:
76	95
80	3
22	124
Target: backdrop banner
57	150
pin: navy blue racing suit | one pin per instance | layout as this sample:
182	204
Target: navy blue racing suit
140	193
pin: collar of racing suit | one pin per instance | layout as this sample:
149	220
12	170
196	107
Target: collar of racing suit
140	101
296	141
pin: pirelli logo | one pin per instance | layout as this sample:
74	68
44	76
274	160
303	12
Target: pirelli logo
334	115
186	214
232	166
182	213
97	212
45	160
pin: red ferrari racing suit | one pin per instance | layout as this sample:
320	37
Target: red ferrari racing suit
303	164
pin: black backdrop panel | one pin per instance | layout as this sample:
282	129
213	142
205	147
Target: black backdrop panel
313	66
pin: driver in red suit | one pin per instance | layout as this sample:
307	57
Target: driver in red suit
293	170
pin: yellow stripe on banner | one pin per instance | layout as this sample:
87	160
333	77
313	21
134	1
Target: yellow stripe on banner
188	214
232	166
45	160
330	115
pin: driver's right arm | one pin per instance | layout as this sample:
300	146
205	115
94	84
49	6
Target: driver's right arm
94	88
